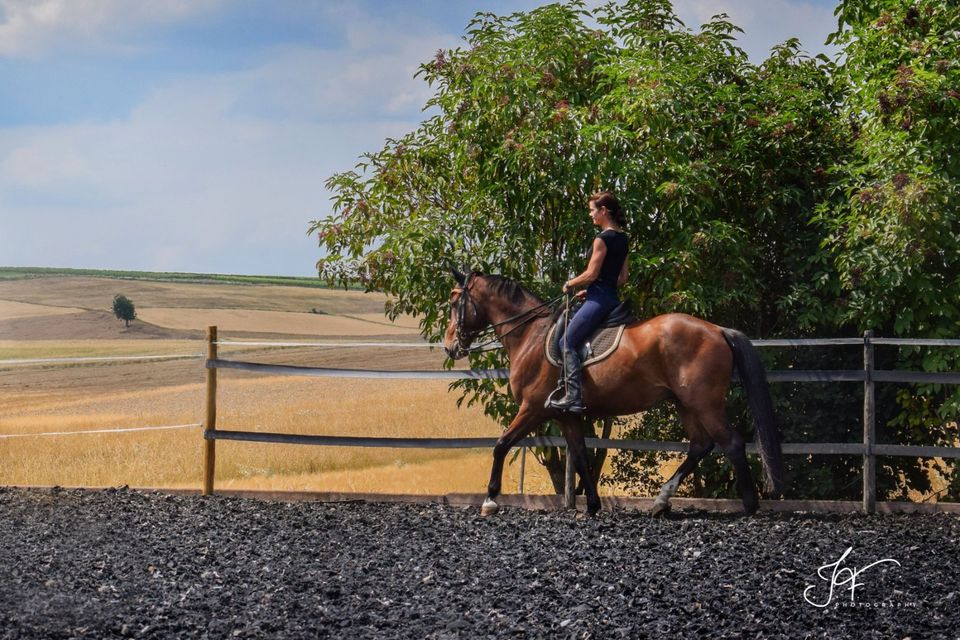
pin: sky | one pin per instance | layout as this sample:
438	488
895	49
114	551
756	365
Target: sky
197	135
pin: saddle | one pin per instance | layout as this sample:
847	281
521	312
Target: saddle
599	345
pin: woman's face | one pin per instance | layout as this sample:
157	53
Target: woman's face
597	215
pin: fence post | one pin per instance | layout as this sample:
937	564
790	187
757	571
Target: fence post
569	483
210	420
523	466
869	428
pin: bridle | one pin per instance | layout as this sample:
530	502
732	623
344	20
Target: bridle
465	338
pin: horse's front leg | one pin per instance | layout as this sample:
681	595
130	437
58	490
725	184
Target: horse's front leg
523	423
572	427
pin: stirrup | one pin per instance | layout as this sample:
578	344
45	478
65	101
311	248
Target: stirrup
558	403
552	397
568	407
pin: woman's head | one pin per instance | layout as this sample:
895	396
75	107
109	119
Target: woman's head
606	201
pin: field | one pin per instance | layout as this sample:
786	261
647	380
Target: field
68	316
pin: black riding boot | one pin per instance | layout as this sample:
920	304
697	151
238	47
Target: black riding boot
573	381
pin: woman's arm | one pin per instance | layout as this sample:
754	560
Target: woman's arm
592	272
624	272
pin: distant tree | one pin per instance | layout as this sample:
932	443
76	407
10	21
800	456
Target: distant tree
123	308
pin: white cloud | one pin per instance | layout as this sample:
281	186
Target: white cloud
310	83
157	193
44	162
32	28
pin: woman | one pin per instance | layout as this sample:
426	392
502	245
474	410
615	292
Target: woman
606	270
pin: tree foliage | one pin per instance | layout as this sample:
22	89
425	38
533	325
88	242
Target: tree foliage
892	231
124	309
744	183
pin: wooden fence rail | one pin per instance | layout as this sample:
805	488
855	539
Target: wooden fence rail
868	448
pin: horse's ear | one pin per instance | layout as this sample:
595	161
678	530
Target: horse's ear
458	276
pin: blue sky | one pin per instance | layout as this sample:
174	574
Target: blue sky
196	135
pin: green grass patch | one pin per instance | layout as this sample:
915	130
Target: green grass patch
20	273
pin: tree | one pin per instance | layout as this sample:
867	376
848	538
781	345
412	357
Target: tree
730	172
892	231
124	310
886	231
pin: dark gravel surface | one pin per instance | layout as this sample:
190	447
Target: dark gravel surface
119	563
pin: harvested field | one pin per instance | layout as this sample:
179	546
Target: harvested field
59	317
10	310
87	325
85	564
249	321
34	349
329	406
97	294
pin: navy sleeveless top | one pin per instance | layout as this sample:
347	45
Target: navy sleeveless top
616	242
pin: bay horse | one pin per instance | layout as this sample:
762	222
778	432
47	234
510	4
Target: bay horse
670	357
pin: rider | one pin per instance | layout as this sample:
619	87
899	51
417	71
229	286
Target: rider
606	270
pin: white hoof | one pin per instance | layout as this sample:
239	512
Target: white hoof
489	508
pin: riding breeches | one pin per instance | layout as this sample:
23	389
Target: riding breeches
600	301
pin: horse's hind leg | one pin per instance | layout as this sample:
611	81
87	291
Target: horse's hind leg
700	446
572	428
732	444
698	451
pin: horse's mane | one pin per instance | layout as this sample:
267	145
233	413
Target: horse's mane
510	289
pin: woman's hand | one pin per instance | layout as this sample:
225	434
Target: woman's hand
567	286
581	294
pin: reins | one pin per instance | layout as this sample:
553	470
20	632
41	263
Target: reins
491	343
493	327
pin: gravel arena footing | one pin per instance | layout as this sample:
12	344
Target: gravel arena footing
123	563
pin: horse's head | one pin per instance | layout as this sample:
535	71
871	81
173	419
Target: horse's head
466	318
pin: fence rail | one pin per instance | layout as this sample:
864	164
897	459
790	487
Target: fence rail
810	448
321	372
789	375
868	376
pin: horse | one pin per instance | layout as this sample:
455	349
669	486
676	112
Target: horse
669	357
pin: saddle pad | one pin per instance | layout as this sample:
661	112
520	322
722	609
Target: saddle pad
602	343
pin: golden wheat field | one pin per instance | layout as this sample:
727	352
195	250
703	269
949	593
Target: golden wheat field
69	318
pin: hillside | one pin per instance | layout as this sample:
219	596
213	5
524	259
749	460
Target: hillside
58	307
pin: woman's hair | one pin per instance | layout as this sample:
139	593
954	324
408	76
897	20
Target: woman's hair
608	200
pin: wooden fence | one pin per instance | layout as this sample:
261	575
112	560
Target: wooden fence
868	376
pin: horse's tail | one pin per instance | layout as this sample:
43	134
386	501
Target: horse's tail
754	378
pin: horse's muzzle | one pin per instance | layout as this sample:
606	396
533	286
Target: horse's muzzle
454	352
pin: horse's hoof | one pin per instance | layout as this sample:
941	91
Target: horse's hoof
660	509
489	508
